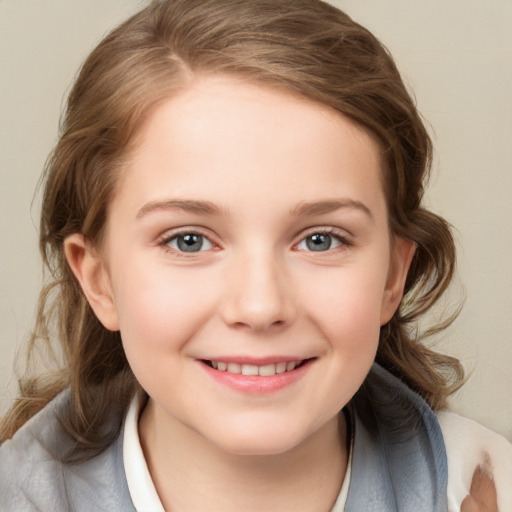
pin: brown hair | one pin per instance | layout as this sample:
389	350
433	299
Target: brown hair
306	47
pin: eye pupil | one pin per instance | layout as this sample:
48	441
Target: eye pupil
319	242
190	243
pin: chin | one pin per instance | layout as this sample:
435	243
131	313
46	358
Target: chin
260	440
257	447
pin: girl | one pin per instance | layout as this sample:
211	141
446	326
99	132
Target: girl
232	218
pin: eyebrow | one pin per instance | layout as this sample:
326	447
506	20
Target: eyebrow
303	209
187	205
328	206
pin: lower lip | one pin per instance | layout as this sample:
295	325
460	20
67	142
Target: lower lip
254	384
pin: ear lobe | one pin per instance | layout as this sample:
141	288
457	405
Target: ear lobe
89	269
401	258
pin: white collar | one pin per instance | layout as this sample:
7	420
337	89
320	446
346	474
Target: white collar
141	487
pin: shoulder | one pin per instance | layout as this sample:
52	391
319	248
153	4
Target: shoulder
30	460
34	476
479	464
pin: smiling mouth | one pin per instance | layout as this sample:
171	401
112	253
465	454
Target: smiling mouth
267	370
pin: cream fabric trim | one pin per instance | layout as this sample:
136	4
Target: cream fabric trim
469	445
339	506
140	484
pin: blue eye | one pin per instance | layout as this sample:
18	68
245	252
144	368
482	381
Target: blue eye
189	242
319	242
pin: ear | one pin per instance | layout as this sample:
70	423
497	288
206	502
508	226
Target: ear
401	257
89	268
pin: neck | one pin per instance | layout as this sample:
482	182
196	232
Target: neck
192	474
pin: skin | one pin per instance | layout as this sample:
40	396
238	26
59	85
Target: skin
482	496
255	171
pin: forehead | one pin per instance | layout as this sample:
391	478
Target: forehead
226	139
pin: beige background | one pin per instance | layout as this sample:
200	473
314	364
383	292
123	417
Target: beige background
455	54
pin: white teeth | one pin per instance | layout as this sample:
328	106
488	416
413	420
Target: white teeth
267	370
234	368
251	369
280	367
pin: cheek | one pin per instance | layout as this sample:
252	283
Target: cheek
348	304
159	312
349	319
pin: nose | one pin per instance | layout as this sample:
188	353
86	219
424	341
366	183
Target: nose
258	294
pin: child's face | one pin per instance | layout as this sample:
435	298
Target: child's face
249	228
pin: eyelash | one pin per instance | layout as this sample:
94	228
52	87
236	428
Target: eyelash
165	240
